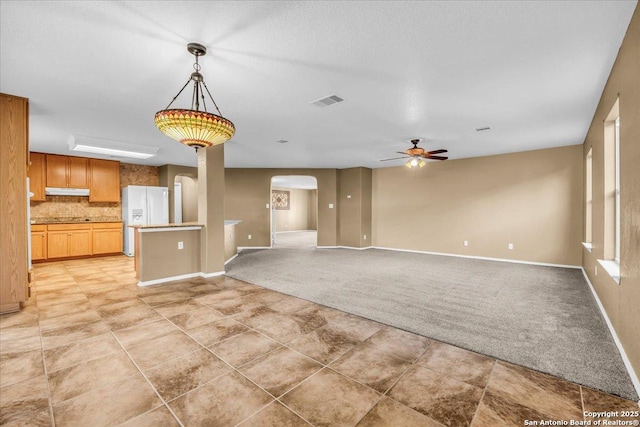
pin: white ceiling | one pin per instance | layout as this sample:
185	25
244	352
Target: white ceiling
295	181
533	71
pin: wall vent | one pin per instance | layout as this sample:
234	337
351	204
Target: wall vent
282	141
327	100
482	129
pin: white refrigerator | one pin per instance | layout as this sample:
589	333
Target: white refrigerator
142	205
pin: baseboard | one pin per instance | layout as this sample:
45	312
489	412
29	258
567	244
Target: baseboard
513	261
327	247
355	247
180	277
293	231
623	354
230	259
240	248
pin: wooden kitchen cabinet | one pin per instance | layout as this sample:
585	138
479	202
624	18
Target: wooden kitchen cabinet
14	151
37	176
107	238
67	171
68	240
104	181
38	242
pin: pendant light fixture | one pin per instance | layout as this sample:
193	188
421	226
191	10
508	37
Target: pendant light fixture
195	127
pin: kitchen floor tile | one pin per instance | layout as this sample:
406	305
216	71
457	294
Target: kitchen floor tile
24	401
214	332
274	415
156	351
389	413
17	367
472	368
80	351
242	348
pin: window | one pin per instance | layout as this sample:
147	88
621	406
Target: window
616	254
588	200
611	256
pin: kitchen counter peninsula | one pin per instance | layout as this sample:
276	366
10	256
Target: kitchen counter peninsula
168	252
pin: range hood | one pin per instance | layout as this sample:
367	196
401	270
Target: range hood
54	191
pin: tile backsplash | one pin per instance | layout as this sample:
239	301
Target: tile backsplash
69	207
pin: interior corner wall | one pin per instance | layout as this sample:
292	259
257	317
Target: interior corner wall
530	199
620	301
354	210
248	197
166	178
297	217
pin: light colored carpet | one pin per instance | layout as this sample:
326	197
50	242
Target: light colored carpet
544	318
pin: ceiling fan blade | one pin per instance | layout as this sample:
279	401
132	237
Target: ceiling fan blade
395	158
435	157
436	152
402	152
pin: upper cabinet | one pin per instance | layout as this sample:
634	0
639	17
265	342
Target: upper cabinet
104	181
65	171
37	176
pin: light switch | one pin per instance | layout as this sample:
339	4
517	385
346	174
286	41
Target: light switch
330	205
348	196
180	245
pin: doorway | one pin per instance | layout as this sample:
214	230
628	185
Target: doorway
294	212
185	199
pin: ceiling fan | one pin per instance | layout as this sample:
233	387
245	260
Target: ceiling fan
415	155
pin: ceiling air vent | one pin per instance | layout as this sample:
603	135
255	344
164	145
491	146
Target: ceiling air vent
282	141
327	100
483	129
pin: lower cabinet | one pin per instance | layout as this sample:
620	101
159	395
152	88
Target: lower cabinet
68	240
56	241
38	242
107	238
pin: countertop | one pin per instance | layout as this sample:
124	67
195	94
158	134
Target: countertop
73	220
184	224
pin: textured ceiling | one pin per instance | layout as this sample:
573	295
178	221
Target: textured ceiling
533	71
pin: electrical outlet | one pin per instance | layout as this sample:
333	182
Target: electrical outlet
596	270
180	245
330	205
249	237
348	196
267	205
466	243
365	237
510	246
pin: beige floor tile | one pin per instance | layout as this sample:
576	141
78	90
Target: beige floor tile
159	417
472	368
127	316
197	317
59	337
108	405
175	308
597	401
279	371
405	345
19	340
164	298
389	413
17	367
245	347
181	375
73	381
224	402
158	350
289	305
500	412
275	415
372	366
331	399
22	319
323	345
352	326
438	396
69	320
136	334
80	351
540	392
216	331
24	402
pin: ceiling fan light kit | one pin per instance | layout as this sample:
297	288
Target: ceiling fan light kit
194	127
415	155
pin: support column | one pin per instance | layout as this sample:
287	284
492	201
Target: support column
211	208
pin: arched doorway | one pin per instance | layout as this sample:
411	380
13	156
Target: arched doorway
185	199
294	211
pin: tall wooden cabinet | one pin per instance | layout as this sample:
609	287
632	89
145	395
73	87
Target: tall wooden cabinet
14	155
67	172
104	180
37	176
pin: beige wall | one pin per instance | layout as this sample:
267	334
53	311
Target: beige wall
248	192
531	199
621	301
160	257
354	214
313	209
166	177
301	212
189	198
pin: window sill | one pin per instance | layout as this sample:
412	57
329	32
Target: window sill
612	268
587	246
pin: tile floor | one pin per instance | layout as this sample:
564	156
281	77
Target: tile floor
93	348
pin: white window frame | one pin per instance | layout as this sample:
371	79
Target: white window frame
616	256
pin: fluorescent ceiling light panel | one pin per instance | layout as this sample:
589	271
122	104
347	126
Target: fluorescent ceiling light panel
88	144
